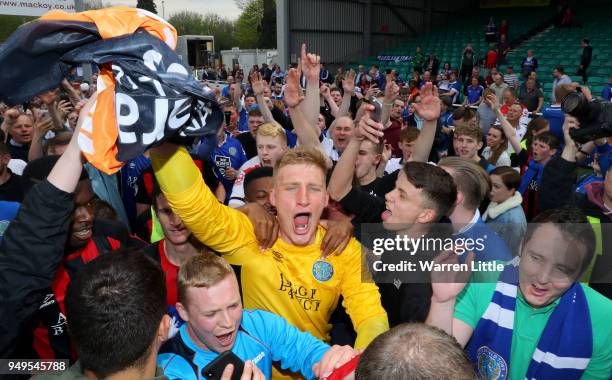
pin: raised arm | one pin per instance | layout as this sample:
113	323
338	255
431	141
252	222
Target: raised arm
311	67
217	226
73	95
304	129
348	85
33	245
41	127
446	288
384	159
257	84
342	177
429	110
559	176
326	94
508	129
391	93
237	86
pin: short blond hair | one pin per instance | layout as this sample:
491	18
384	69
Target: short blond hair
272	129
201	271
302	156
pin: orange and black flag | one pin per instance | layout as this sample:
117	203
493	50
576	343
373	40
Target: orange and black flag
145	93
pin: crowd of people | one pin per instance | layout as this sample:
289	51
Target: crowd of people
259	246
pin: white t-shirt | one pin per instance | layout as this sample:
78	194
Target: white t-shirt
327	145
503	160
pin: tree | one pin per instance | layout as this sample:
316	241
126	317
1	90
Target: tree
95	4
211	24
149	5
247	34
242	4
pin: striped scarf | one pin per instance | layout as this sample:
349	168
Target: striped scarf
563	351
533	170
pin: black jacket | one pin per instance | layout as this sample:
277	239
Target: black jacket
585	58
30	253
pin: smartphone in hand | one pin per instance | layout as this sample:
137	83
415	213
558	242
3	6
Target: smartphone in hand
214	369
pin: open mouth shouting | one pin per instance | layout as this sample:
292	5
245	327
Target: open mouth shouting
301	223
226	340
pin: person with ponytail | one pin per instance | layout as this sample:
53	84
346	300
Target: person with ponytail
497	145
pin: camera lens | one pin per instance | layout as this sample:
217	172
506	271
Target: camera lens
571	103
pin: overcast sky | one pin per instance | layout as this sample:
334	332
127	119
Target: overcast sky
225	8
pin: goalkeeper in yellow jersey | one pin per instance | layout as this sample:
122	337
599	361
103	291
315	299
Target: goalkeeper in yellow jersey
289	279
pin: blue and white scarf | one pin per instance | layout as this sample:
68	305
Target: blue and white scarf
564	349
533	170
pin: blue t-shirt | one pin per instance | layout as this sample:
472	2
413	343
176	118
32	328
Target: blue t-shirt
263	337
225	92
447	119
474	94
291	139
230	154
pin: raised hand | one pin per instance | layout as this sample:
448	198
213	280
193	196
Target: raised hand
569	123
324	91
48	97
387	152
492	101
447	285
293	92
11	115
42	126
369	129
372	90
64	107
429	108
311	65
391	91
257	84
348	84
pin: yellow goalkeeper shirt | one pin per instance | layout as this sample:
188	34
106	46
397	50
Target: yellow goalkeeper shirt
288	280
